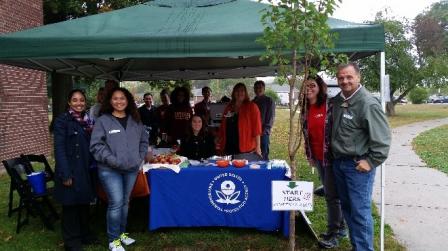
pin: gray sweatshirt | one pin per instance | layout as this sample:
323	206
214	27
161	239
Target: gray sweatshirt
114	147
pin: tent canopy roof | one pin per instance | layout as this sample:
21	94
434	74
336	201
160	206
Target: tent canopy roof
166	39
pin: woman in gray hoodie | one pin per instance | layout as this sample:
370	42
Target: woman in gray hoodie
119	144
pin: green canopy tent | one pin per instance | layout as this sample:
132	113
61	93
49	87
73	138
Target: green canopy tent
166	39
171	40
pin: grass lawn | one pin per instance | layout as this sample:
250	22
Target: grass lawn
431	147
407	114
35	237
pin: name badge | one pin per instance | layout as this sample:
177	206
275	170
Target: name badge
347	116
114	131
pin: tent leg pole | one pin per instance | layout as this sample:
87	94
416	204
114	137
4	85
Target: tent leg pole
383	166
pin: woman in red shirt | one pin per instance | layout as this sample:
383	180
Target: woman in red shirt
316	120
239	134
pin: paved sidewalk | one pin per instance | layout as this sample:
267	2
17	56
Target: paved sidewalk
416	196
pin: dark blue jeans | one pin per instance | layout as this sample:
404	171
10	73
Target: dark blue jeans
118	186
355	192
264	145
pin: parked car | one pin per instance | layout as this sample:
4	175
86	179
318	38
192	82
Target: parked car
441	101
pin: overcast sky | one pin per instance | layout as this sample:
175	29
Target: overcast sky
365	10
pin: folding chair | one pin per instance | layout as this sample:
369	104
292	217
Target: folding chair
28	201
12	185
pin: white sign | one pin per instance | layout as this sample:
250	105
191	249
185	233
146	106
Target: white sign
386	89
292	195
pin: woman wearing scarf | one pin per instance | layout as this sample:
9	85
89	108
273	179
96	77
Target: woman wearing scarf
73	184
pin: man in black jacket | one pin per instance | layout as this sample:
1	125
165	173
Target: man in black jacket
267	112
148	116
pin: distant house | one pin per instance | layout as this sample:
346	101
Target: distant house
282	92
332	87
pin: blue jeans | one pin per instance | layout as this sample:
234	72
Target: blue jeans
264	145
118	186
355	192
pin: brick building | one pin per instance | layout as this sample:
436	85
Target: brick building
23	93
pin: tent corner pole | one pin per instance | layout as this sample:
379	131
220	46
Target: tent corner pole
383	166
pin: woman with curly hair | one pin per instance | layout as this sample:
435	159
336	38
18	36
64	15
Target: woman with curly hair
119	144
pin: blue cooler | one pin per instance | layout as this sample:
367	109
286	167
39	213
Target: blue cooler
37	182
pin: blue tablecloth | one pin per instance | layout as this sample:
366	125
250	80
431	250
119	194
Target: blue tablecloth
212	196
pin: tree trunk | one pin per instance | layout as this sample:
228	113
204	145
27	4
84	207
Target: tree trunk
292	214
390	109
61	85
292	159
292	230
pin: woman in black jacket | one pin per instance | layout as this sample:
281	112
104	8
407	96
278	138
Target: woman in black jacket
198	144
73	184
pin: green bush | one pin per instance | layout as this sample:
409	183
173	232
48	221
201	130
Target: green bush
273	95
418	95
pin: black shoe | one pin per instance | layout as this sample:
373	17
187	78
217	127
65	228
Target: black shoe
329	243
341	233
319	191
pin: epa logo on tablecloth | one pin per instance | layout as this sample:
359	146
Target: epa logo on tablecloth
228	192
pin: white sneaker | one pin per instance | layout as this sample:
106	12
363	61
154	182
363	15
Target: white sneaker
126	240
116	245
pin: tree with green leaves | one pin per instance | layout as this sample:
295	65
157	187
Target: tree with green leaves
431	42
61	10
418	95
431	30
401	64
407	69
272	94
296	34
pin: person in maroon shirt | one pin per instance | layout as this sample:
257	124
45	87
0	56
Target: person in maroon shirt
316	117
178	115
203	108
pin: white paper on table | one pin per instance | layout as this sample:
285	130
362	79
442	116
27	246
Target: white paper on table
279	163
175	168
